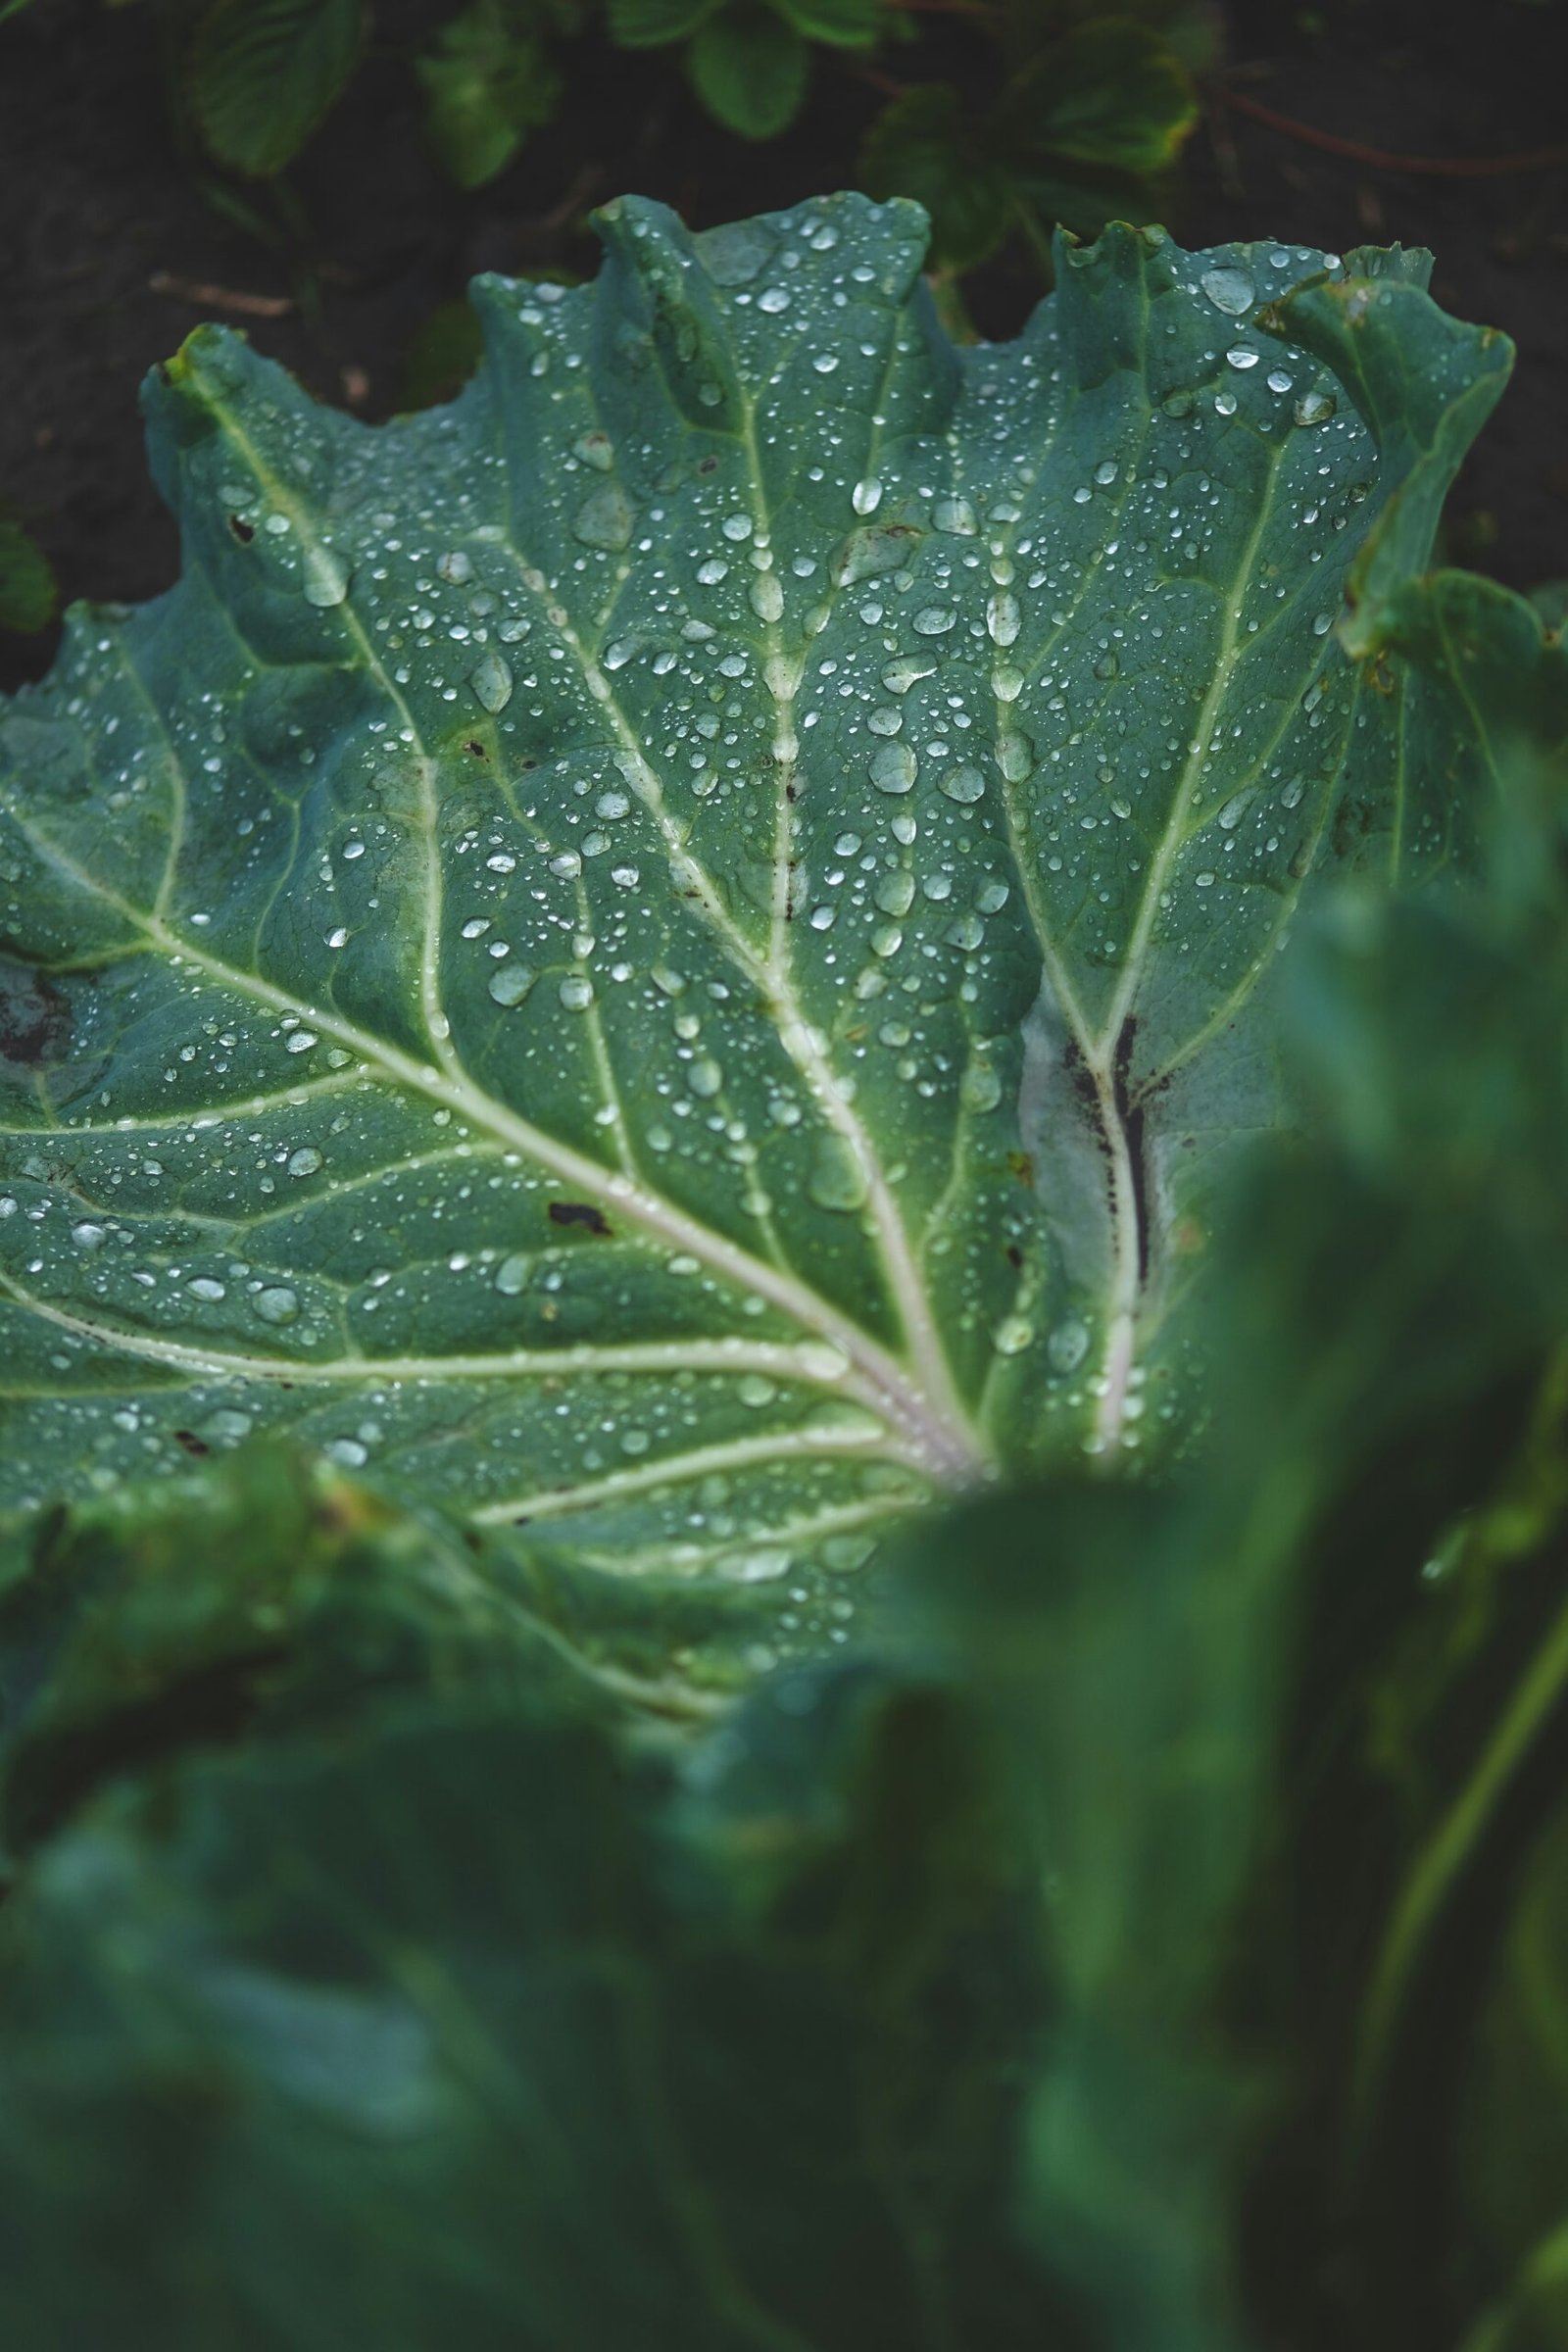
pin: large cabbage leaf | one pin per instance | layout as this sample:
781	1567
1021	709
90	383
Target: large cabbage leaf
1136	1943
667	955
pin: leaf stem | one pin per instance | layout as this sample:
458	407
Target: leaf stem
1445	166
1432	1877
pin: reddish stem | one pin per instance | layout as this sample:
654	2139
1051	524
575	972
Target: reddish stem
1466	166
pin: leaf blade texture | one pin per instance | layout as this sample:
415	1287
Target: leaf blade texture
665	957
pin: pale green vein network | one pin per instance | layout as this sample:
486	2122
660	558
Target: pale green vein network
989	1291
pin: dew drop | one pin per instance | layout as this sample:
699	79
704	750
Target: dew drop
1314	408
492	681
604	519
305	1162
894	767
867	496
1229	291
766	596
965	785
980	1089
1015	757
227	1426
955	516
511	1276
510	984
576	992
1004	618
277	1305
326	577
837	1180
1068	1344
760	1566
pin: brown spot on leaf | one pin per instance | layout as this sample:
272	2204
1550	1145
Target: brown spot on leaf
35	1018
579	1212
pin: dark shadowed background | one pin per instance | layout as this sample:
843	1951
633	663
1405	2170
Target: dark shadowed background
109	252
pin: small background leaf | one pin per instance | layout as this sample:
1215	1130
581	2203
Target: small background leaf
749	66
488	82
841	24
920	146
29	594
441	357
261	74
651	24
1110	95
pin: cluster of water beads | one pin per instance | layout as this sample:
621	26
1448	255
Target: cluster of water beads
897	864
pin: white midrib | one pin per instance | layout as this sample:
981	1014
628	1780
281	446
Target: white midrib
1098	1052
801	1039
773	981
437	1027
737	1453
943	1449
1121	1336
845	1518
776	1359
930	1403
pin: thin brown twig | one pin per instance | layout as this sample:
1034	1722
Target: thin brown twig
1446	166
220	297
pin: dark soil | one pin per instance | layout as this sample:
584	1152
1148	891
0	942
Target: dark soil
99	211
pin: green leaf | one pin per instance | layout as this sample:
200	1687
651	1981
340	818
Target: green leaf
921	145
669	956
1112	95
261	74
28	596
1550	600
651	24
382	2029
749	67
1277	1729
266	1598
842	24
488	85
442	355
